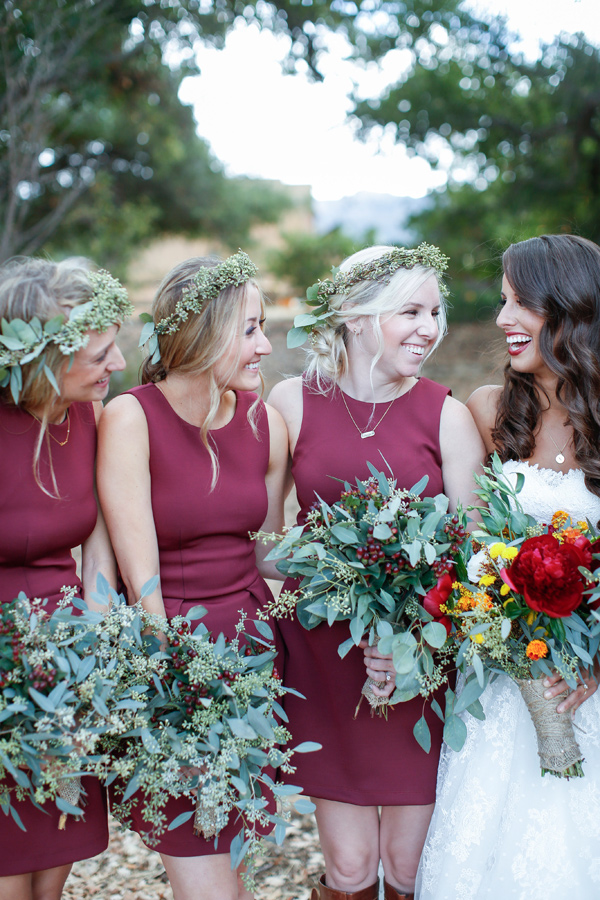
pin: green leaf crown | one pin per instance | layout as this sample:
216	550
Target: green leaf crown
21	342
206	284
381	269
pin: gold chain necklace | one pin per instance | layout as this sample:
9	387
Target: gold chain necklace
367	434
560	455
60	443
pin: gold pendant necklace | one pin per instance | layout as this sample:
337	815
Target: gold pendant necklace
368	434
560	455
48	432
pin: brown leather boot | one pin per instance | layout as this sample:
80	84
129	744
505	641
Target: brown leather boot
325	893
390	893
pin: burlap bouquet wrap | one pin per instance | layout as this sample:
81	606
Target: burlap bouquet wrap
378	704
69	790
558	749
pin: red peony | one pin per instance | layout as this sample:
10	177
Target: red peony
437	596
546	573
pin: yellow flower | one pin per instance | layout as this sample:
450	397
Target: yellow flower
531	618
500	549
486	580
497	549
536	649
476	638
504	590
583	526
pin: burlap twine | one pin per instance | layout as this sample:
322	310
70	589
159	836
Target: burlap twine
557	747
378	704
69	790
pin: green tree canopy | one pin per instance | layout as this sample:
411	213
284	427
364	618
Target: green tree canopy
96	151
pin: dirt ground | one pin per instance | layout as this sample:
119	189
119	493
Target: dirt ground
468	357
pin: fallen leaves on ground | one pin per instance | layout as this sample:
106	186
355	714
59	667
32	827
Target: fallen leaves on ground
129	871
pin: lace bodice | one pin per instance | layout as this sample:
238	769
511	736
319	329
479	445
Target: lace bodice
546	491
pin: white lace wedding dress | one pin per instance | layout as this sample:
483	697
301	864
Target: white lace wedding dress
500	831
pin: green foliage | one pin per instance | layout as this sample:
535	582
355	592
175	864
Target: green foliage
158	715
520	140
373	560
306	258
97	154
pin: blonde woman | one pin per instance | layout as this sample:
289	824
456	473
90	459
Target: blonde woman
190	463
362	400
59	327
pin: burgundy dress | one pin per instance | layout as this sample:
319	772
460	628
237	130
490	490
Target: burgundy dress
366	760
206	556
37	533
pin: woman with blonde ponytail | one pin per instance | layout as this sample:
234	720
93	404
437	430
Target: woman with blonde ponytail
190	462
361	399
59	322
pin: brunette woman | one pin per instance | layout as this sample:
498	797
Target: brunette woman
500	830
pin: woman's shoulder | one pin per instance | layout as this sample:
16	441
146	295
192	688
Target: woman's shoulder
123	411
483	403
286	397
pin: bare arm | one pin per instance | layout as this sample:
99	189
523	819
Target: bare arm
96	552
124	491
275	481
483	404
462	451
286	398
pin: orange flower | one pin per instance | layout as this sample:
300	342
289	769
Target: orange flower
559	518
537	649
569	535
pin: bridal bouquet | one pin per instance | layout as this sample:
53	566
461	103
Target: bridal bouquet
523	610
375	559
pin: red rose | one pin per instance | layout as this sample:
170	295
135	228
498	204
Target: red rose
546	573
438	595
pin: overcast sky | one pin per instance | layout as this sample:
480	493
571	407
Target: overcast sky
264	124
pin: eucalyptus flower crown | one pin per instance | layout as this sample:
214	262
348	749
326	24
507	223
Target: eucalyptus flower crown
206	284
381	269
23	341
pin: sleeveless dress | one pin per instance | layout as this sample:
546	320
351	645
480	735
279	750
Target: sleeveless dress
205	554
500	830
37	533
359	760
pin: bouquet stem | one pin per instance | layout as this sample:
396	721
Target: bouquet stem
558	749
379	705
69	789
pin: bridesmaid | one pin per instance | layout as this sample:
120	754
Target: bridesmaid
48	505
361	400
190	463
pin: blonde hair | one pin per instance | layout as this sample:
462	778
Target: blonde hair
201	341
327	357
44	289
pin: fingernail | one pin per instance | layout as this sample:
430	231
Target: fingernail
546	682
548	696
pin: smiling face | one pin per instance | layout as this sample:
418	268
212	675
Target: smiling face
407	335
239	368
522	327
87	376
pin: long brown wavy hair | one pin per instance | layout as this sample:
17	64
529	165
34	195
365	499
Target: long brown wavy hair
556	276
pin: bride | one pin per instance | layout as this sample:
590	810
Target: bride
500	830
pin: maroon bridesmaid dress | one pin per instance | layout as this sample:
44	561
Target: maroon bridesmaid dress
366	760
206	556
37	533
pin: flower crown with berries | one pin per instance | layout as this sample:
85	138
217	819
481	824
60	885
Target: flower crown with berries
23	341
206	284
381	269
